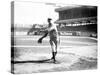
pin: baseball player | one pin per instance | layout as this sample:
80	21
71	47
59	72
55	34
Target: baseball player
54	38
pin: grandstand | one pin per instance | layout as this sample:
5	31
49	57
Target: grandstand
78	20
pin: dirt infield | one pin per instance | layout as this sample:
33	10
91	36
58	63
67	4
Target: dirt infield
65	62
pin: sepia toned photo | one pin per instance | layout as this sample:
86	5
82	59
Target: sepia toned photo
53	37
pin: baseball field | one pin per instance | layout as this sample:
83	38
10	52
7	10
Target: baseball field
74	53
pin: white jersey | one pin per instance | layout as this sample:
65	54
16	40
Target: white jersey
53	32
53	27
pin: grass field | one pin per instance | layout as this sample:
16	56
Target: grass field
74	53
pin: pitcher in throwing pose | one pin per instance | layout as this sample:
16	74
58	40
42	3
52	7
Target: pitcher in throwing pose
53	33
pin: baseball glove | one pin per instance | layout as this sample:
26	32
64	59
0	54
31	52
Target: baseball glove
40	40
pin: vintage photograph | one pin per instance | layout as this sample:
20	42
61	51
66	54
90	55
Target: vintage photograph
53	37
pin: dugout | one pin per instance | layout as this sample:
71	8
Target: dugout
77	20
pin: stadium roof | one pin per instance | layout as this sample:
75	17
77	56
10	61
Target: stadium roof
73	6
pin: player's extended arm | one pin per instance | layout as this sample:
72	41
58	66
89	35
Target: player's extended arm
45	35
